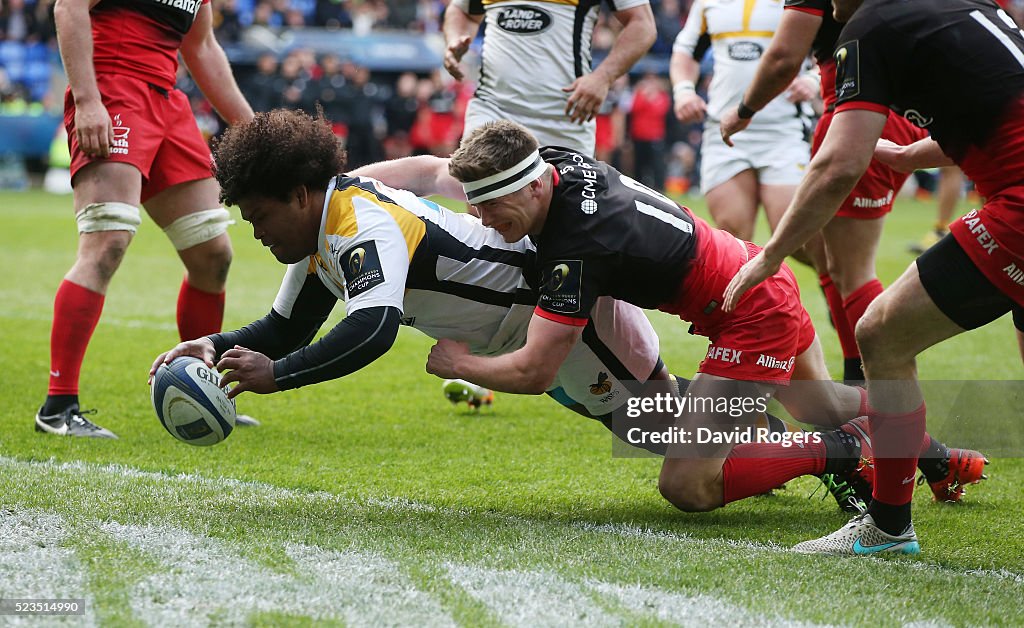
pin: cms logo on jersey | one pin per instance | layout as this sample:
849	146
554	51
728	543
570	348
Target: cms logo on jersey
523	20
362	268
745	51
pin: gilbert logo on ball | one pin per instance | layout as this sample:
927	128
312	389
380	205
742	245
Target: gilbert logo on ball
190	402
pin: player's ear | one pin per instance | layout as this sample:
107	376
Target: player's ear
302	195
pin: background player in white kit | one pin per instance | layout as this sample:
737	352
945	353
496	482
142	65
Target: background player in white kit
536	65
765	166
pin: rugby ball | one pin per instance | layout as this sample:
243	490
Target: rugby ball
190	402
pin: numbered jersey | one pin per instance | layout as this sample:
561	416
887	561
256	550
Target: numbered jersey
607	234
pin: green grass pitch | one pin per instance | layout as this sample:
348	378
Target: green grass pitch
371	500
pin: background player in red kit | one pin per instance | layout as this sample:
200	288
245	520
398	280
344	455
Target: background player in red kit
909	57
852	237
134	141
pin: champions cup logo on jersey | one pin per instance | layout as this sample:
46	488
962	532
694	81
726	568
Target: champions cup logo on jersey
561	287
120	144
523	20
558	277
848	70
362	268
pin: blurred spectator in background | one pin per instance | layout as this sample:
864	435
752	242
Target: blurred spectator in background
359	103
332	14
400	114
611	123
651	104
263	87
227	22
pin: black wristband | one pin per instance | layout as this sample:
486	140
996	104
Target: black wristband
744	112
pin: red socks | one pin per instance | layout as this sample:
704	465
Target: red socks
897	440
76	310
199	313
857	303
847	341
753	469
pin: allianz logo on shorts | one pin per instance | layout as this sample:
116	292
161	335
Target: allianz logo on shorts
120	144
874	203
772	362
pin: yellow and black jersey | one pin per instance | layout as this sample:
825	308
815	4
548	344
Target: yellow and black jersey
380	246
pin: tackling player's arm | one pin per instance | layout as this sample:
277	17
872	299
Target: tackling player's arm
422	175
779	65
589	91
529	370
461	22
209	67
835	169
924	153
684	70
94	131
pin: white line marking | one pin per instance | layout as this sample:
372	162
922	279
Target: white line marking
34	565
208	582
257	493
531	598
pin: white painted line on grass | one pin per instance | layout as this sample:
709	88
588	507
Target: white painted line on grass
531	598
261	493
207	581
34	565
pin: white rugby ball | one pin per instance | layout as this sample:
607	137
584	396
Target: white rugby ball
190	402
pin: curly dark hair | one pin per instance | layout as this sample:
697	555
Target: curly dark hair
274	153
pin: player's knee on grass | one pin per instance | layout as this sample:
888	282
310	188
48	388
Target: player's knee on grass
690	492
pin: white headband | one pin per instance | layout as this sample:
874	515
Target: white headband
507	181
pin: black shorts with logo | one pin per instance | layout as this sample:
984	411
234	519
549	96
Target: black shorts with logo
960	290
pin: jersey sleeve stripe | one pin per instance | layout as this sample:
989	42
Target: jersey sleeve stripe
559	318
863	105
816	12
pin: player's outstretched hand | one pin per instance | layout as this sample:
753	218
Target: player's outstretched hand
444	356
251	371
586	94
749	275
732	124
201	348
690	108
93	128
453	55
